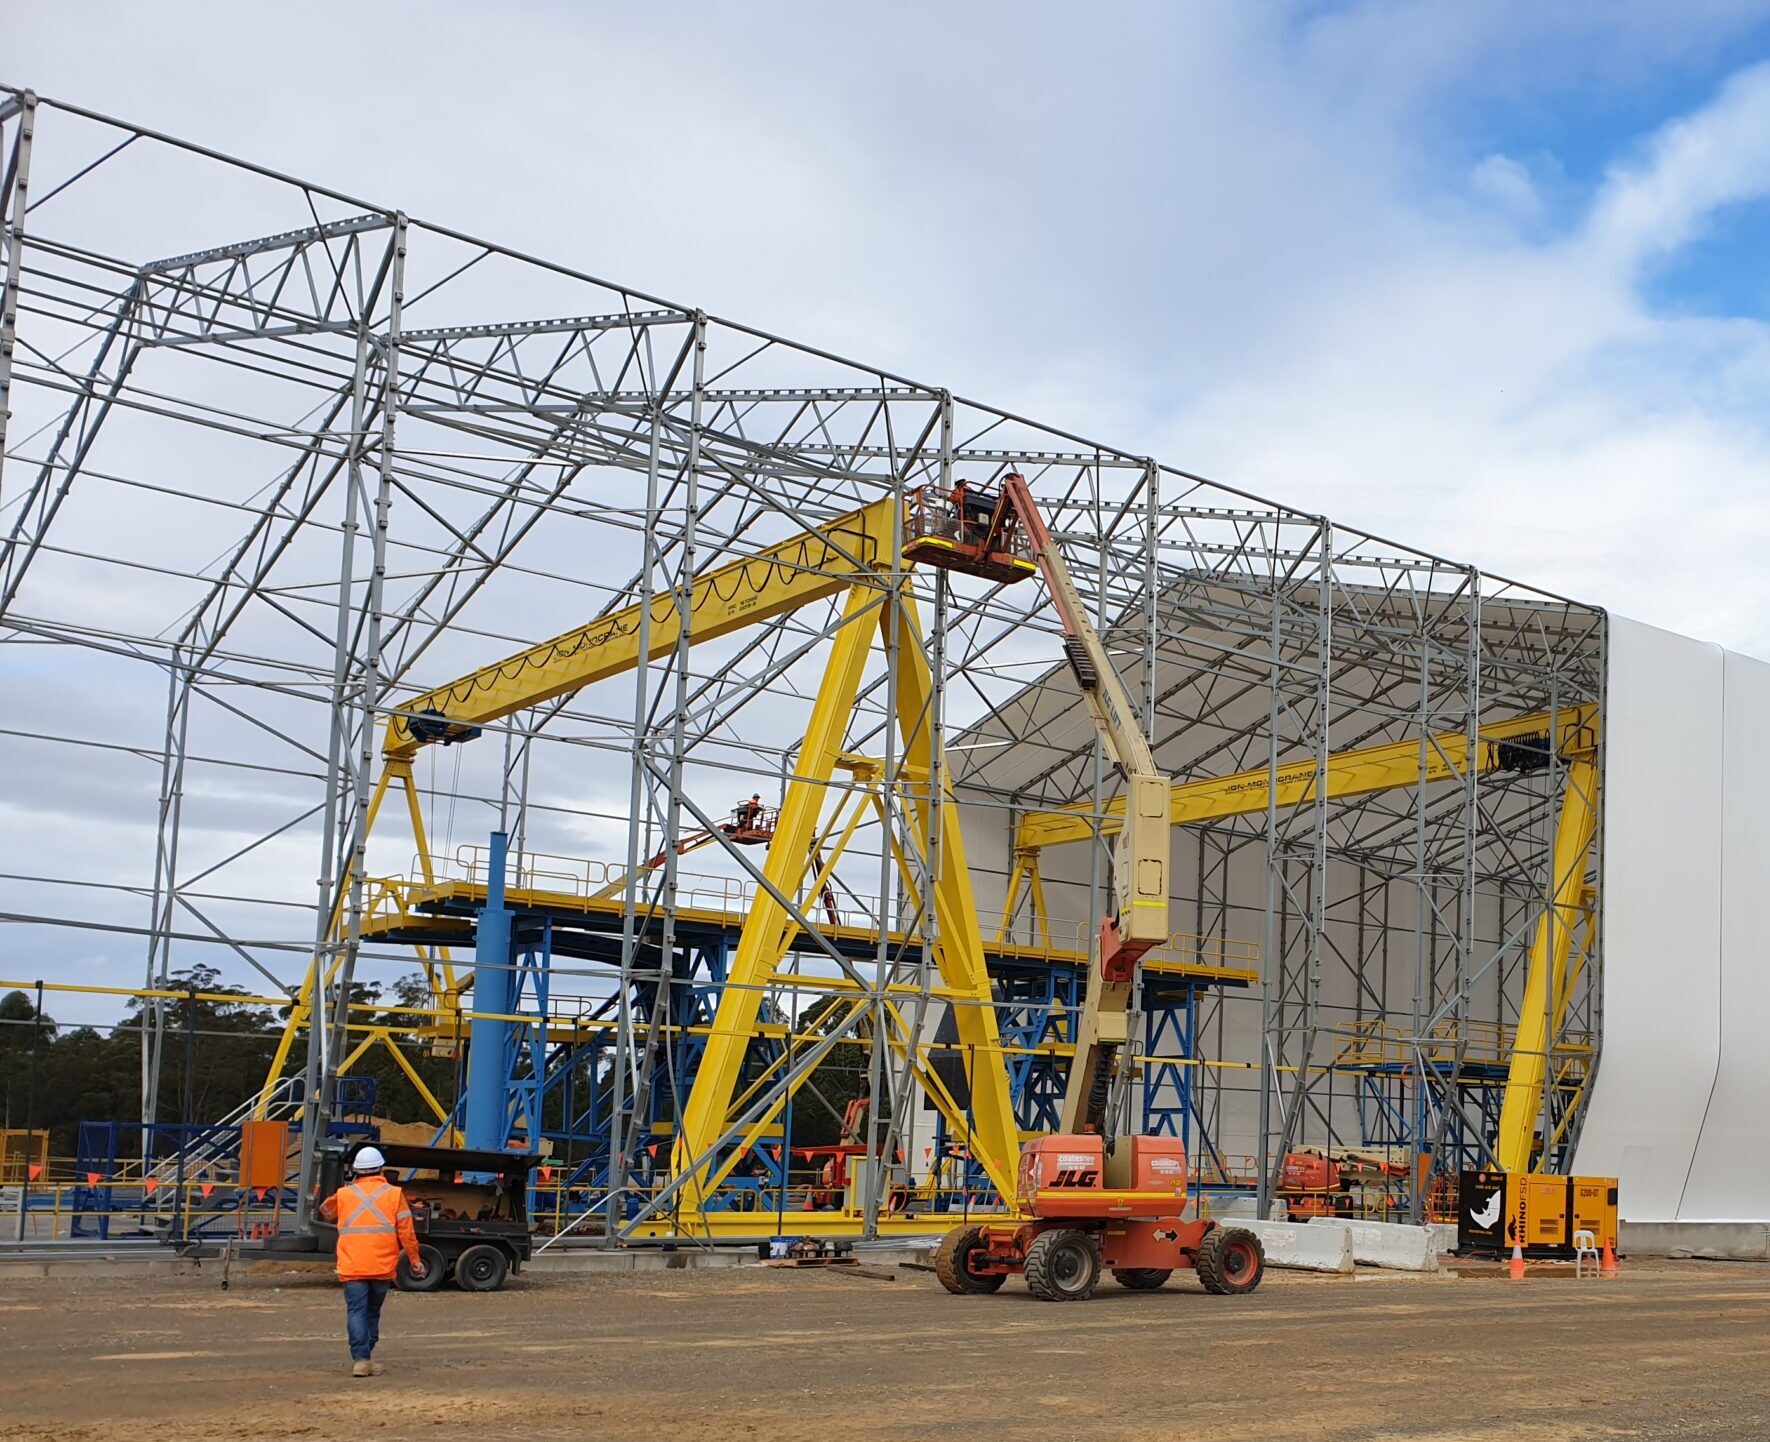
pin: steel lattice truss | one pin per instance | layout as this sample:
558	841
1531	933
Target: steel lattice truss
257	495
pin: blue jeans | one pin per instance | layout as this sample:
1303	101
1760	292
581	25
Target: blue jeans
363	1301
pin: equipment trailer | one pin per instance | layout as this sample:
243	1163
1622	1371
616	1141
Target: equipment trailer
469	1208
1086	1200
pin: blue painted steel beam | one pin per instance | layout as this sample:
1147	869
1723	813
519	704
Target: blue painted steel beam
487	1103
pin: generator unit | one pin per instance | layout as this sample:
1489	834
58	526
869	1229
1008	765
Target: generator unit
1537	1212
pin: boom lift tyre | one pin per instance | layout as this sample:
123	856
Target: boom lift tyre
1062	1265
1231	1261
1141	1279
952	1263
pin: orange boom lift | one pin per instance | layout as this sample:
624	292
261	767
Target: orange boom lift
1086	1200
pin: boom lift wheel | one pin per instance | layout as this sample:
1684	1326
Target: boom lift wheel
952	1263
481	1269
1062	1265
1231	1261
1141	1279
436	1271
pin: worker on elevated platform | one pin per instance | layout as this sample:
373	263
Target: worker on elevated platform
374	1225
748	813
973	509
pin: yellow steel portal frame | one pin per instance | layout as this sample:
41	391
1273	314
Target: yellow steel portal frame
851	554
1555	958
1553	961
958	950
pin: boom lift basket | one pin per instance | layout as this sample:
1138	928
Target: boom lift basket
970	530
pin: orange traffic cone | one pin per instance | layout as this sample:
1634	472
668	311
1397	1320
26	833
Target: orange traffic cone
1517	1269
1607	1264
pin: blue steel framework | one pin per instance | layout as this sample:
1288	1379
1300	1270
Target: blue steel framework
558	1089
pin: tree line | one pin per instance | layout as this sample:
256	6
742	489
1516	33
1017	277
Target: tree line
54	1076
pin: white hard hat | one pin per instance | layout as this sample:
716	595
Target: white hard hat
369	1159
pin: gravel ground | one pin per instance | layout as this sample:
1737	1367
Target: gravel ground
1666	1350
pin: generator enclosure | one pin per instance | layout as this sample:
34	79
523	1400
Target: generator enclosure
1540	1213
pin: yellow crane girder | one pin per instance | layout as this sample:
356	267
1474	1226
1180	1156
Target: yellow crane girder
810	566
1359	772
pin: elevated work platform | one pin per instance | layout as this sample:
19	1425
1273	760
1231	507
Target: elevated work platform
589	927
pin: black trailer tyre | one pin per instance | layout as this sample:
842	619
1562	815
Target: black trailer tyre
1231	1261
1141	1279
436	1271
482	1268
952	1263
1062	1266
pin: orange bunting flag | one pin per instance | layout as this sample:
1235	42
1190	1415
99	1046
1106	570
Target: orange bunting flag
205	1188
34	1170
150	1185
546	1175
93	1178
258	1193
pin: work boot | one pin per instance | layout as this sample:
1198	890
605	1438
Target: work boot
362	1369
376	1369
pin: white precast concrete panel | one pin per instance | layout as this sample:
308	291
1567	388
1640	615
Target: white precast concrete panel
1730	1179
1663	785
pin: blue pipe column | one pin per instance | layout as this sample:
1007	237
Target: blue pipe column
494	984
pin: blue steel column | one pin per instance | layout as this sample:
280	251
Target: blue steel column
493	982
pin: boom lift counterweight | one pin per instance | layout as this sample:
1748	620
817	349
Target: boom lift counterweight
1088	1201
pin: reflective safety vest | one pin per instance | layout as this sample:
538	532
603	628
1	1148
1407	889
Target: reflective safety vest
374	1224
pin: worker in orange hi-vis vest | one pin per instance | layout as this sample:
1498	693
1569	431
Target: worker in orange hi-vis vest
374	1224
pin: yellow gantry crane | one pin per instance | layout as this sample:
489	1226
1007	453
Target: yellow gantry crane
1517	743
853	556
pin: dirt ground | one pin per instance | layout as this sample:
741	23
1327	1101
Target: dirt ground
1667	1350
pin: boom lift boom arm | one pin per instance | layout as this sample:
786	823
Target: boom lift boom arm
1141	851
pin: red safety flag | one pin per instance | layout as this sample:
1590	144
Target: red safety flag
34	1170
205	1188
150	1185
258	1193
94	1178
927	1152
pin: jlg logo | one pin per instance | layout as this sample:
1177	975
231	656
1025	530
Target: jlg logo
1075	1177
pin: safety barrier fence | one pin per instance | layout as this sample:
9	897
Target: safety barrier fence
58	1208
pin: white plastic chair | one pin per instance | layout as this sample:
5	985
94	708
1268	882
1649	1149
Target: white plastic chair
1585	1244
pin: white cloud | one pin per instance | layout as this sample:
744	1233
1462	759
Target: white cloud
1695	165
1506	185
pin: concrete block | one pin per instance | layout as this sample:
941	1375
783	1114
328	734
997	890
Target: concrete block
1241	1208
1444	1236
1386	1244
1308	1249
1712	1241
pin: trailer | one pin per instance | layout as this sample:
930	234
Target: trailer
469	1208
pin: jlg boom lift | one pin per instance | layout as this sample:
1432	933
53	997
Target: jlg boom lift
1086	1200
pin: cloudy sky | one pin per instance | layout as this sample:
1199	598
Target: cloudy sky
1485	278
